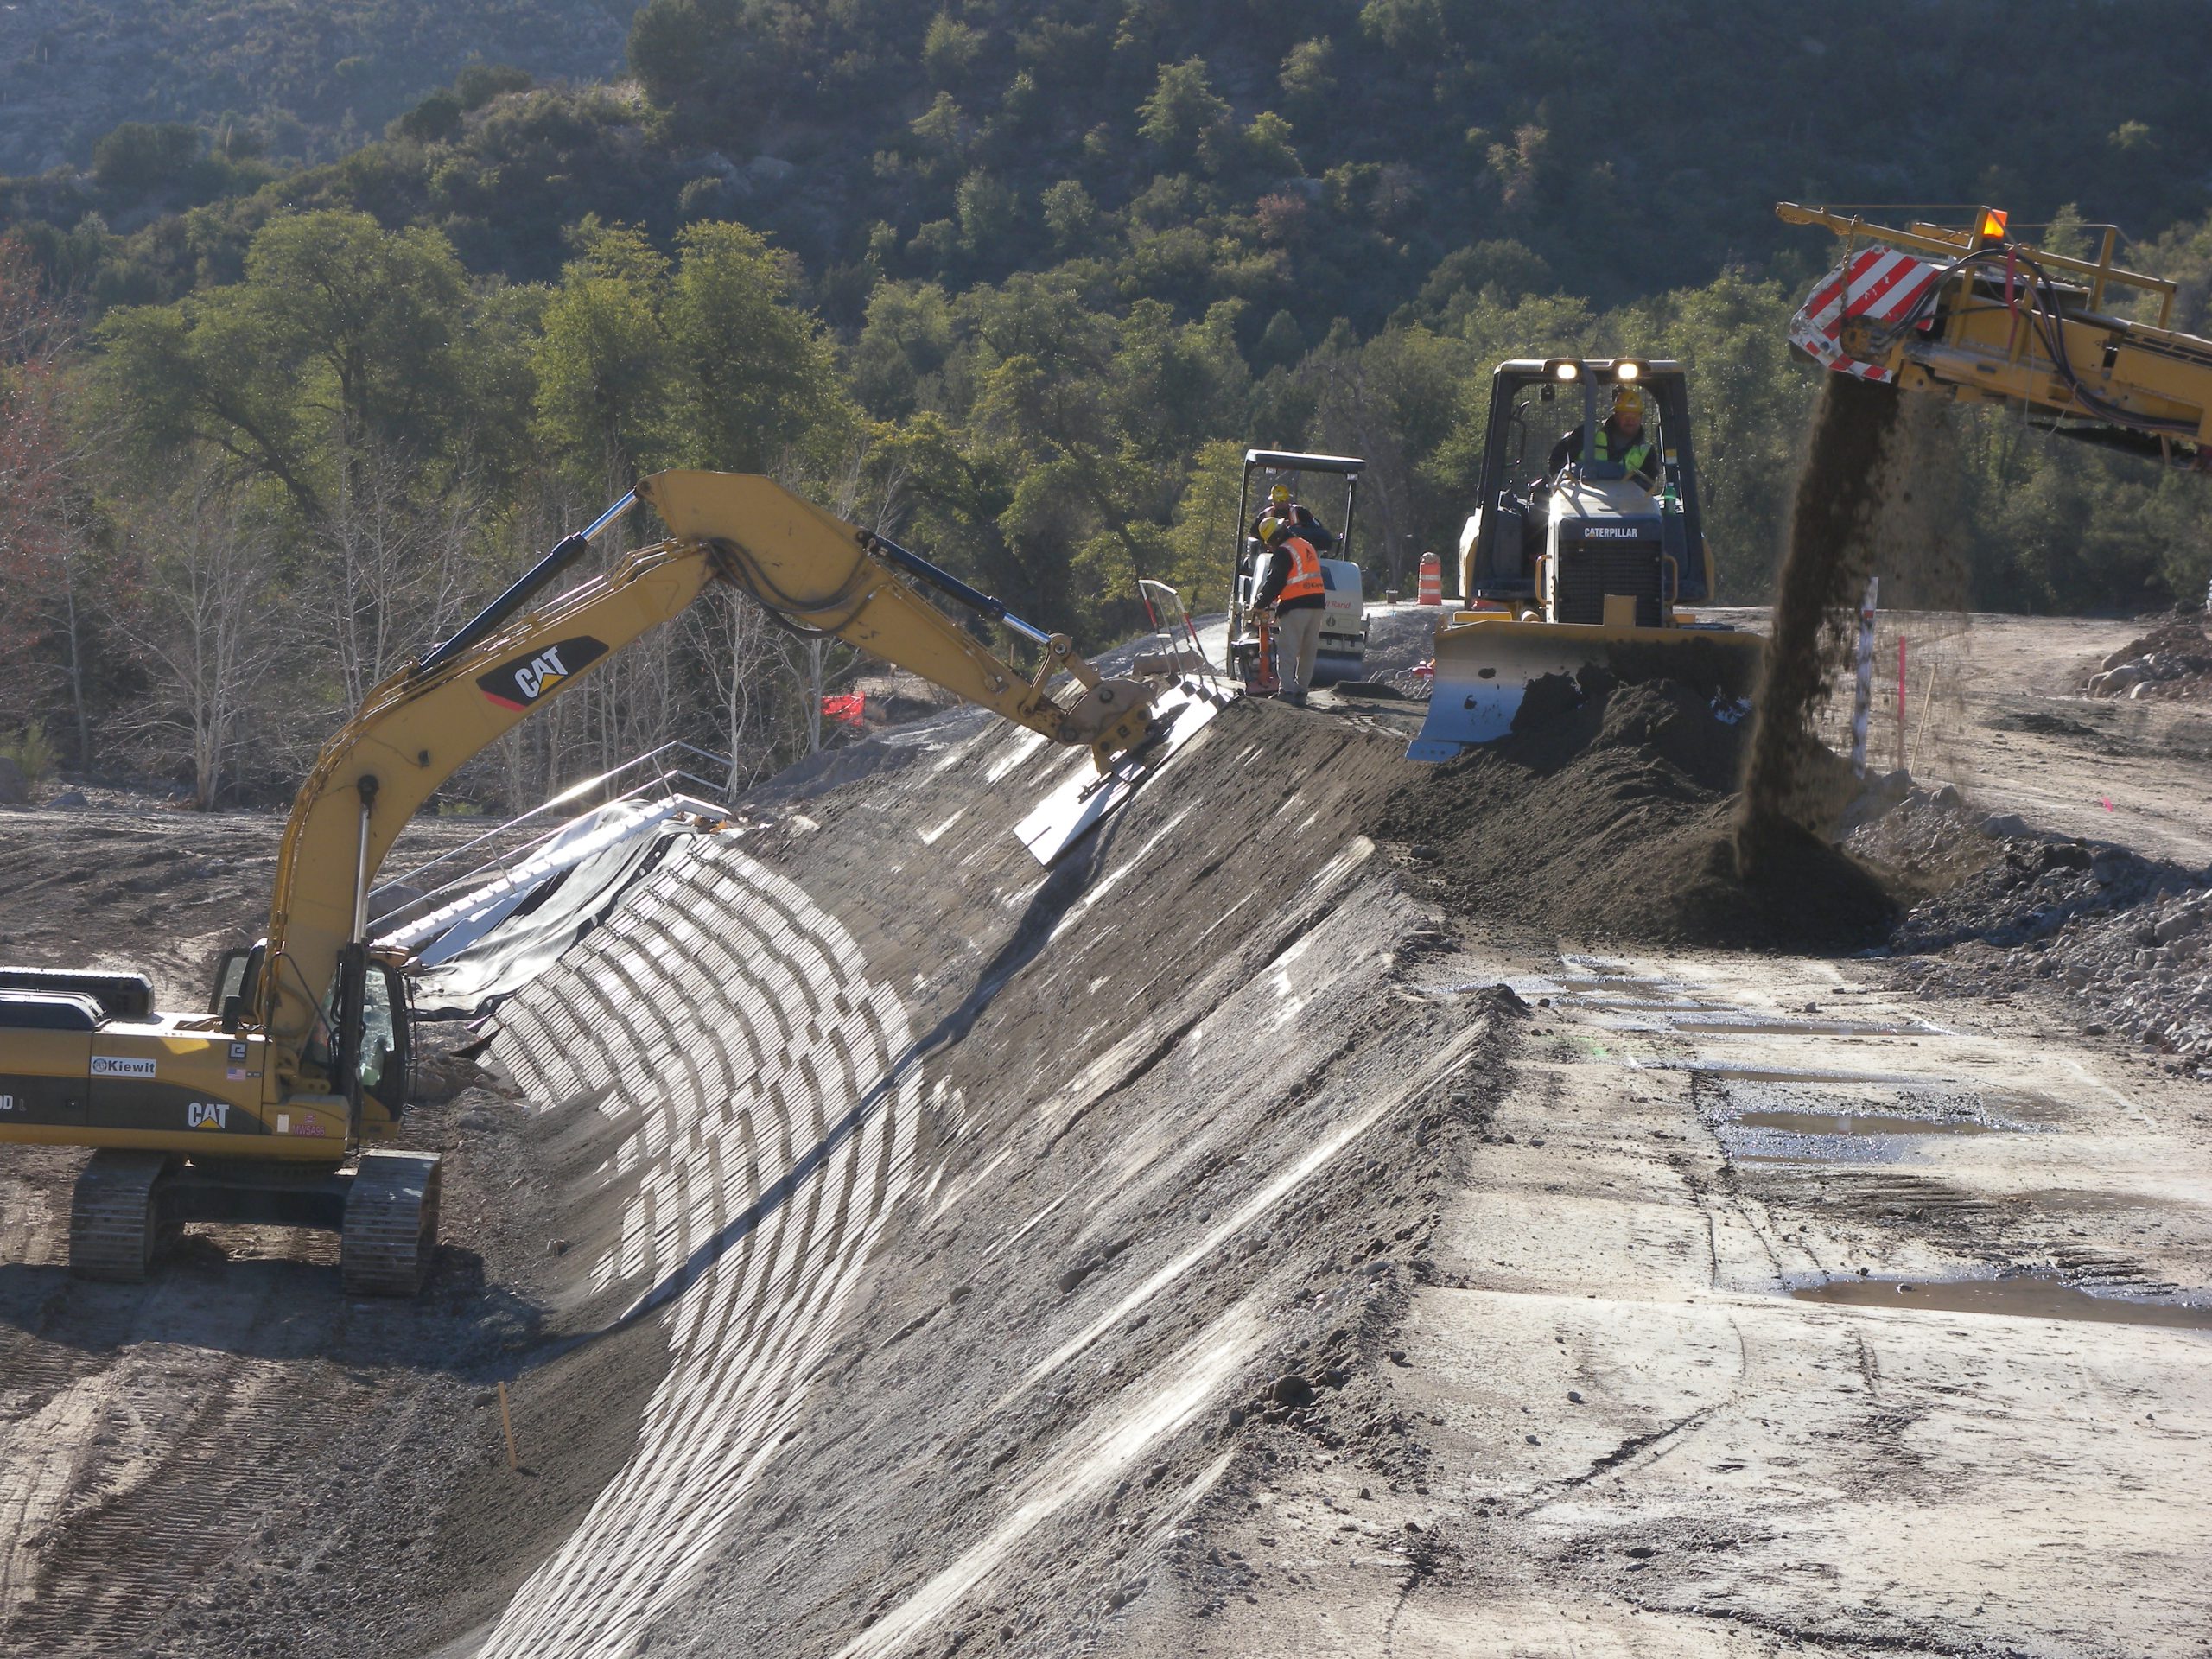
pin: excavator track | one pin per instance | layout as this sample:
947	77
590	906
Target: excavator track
391	1223
116	1230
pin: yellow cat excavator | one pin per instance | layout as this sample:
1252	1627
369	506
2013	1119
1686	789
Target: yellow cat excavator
267	1107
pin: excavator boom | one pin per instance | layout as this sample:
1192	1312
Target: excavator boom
301	1061
809	568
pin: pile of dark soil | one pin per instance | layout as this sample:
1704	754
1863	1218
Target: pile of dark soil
1608	814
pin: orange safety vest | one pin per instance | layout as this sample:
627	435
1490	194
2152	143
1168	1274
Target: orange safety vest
1305	571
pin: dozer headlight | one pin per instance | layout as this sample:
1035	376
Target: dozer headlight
1567	371
1627	371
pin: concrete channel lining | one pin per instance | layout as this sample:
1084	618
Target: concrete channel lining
773	1095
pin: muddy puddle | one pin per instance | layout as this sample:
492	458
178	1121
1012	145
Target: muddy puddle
1854	1124
1813	1137
1734	1072
1728	1024
1768	1123
2019	1296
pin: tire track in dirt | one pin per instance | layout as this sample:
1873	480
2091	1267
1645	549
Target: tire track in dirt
776	1094
146	1446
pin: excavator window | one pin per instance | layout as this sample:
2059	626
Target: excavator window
234	985
384	1064
382	1058
377	1039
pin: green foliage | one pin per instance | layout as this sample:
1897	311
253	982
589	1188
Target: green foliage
644	362
341	334
1182	107
1020	283
270	76
436	120
34	753
1307	75
480	83
138	157
1069	213
950	49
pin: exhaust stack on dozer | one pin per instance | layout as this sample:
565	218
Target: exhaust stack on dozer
1581	549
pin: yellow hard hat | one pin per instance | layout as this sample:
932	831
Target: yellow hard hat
1271	531
1280	495
1628	401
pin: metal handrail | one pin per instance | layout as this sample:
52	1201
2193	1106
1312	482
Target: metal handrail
720	790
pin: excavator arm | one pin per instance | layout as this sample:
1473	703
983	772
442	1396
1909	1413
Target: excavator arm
1971	316
813	570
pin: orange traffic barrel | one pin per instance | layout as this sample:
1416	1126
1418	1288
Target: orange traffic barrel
1432	580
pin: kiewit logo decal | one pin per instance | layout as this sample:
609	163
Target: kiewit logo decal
521	682
207	1115
114	1065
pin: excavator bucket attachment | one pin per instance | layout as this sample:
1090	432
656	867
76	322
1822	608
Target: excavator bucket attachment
1081	801
1485	664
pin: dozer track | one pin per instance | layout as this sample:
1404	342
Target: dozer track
391	1223
116	1227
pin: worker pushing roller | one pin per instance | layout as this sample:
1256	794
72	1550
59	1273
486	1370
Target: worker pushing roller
1293	596
1339	648
269	1105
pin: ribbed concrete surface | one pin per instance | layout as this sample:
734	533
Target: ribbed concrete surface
768	1083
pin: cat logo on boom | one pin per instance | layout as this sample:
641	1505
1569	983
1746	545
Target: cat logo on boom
521	681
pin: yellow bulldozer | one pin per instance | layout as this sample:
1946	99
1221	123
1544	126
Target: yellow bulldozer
271	1104
1581	551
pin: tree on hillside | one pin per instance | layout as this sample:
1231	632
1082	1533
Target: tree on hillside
762	385
39	459
201	611
341	338
703	361
1182	109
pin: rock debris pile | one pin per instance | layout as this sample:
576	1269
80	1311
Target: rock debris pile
2173	663
2129	940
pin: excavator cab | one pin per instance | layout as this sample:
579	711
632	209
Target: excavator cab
375	1056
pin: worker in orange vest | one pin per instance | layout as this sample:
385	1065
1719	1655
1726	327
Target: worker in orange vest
1293	589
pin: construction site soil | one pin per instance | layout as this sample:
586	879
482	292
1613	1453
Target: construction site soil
1276	1229
1609	817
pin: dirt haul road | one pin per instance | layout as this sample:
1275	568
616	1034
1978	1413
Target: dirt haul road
891	1248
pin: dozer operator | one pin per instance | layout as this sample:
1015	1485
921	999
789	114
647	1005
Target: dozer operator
270	1105
1621	438
1585	564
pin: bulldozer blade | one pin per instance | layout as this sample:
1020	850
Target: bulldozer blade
1079	806
1484	666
